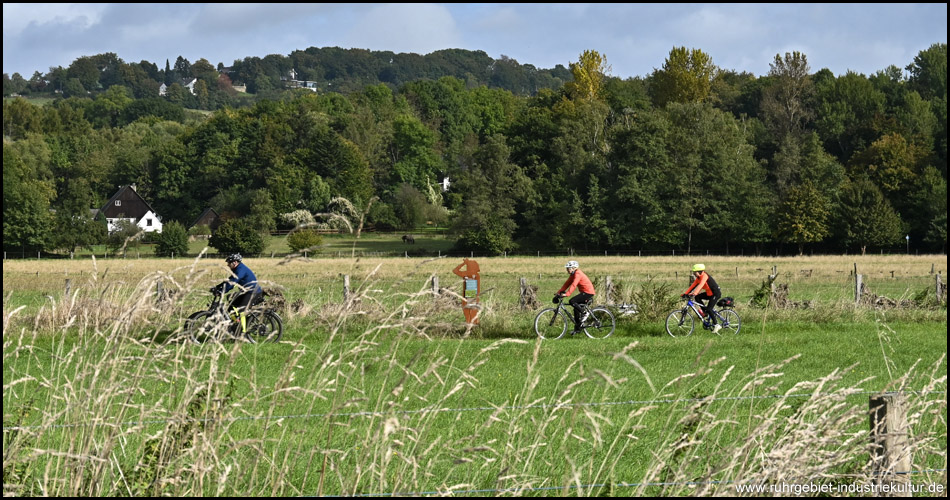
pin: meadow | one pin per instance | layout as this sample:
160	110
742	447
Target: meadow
388	391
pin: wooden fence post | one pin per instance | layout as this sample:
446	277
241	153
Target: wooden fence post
521	296
346	287
435	286
159	291
609	290
890	453
67	288
858	288
939	293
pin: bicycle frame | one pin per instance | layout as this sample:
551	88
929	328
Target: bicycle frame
694	306
562	309
218	311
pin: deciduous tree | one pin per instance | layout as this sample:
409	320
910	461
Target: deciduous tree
803	216
686	76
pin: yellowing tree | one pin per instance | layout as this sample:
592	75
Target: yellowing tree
686	76
589	73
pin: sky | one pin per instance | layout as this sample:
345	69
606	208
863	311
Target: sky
634	38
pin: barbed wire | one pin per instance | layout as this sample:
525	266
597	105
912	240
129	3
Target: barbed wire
461	410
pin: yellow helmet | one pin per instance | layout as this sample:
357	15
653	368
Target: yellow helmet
698	267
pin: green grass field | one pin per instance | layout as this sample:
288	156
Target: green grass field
390	392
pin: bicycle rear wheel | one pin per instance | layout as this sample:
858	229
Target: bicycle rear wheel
730	321
550	324
264	326
679	323
600	324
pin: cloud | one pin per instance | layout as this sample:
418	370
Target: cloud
19	17
419	28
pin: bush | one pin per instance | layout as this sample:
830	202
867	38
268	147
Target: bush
125	236
304	239
489	241
237	236
200	230
173	240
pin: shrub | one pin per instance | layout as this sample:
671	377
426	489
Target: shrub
200	230
304	239
126	235
490	241
173	240
237	236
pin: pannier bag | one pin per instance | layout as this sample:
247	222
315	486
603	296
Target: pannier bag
725	302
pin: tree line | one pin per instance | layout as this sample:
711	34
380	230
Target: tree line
326	69
691	157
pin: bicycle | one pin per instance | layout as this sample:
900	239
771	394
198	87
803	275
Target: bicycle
552	322
215	324
680	322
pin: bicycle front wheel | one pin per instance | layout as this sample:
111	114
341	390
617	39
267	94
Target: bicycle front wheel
200	327
600	324
550	324
679	323
730	321
264	327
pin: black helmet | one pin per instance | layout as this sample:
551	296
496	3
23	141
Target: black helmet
234	257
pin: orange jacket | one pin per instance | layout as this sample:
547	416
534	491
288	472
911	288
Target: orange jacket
703	282
580	280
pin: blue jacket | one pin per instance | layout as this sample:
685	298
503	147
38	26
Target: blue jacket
244	277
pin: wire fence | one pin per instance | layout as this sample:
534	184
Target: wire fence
801	287
556	406
415	251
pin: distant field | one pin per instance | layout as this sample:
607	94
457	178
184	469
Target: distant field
390	393
334	245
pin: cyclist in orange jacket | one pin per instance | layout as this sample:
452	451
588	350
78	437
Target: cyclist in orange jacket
711	293
585	292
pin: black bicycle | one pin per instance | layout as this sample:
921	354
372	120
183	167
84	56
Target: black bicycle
680	322
216	323
552	322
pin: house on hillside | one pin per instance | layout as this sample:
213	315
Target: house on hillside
127	204
207	218
291	81
188	83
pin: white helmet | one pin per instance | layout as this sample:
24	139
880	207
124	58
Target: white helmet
572	264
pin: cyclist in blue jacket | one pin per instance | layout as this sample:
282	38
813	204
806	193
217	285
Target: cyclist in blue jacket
246	281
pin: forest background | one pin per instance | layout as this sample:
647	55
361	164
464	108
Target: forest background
690	158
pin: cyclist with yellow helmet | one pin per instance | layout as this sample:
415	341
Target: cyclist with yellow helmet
711	293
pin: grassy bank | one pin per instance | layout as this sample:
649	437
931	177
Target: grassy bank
389	392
